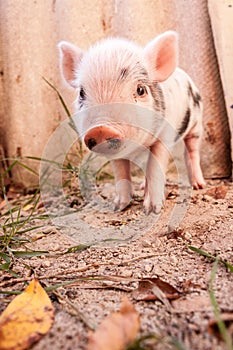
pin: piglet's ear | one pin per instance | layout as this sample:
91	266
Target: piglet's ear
161	56
70	57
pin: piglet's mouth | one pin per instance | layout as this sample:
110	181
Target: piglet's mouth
104	139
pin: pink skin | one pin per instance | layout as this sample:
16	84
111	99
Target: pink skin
99	136
156	170
192	159
124	192
97	70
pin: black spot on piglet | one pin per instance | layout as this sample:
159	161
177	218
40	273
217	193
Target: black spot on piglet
123	73
184	125
194	95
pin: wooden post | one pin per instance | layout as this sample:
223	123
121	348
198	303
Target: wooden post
221	14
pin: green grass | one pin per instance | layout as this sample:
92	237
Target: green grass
13	232
149	341
225	335
211	257
67	111
15	227
16	223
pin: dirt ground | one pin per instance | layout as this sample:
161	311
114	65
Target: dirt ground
141	247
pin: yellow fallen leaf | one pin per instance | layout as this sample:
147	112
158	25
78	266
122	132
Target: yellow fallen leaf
29	316
28	207
117	330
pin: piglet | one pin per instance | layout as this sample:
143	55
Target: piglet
115	72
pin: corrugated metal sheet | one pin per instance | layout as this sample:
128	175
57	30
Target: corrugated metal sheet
30	31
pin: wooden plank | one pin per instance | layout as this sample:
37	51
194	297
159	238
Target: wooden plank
221	14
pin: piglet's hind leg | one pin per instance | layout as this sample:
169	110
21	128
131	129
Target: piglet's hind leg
192	158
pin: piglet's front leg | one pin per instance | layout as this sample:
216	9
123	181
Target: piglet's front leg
121	168
156	178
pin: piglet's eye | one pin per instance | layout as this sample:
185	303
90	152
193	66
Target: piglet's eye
82	94
141	90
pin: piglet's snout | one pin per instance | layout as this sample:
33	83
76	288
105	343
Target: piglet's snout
103	139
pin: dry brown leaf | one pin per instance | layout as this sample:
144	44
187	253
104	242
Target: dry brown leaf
29	316
117	330
218	192
150	289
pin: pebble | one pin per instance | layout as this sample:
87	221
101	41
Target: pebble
212	222
148	268
127	273
187	235
146	243
173	260
46	263
55	247
207	198
138	275
49	229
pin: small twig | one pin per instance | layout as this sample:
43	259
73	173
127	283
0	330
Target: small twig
121	288
78	270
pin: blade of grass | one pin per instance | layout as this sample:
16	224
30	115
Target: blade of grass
210	256
6	267
28	168
178	345
72	124
12	230
12	292
17	224
8	170
16	239
30	229
137	344
77	248
47	216
59	96
21	224
81	247
59	285
202	252
156	339
17	161
5	257
26	254
18	215
45	160
8	212
221	325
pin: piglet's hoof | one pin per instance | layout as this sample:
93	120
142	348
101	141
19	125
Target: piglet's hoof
150	207
120	205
